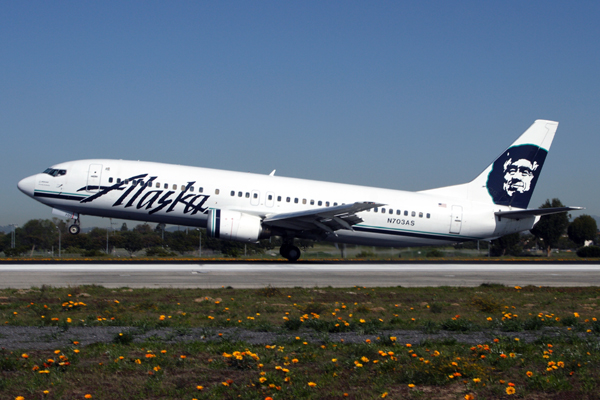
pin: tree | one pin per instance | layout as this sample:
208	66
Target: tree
506	244
131	241
551	227
38	233
582	228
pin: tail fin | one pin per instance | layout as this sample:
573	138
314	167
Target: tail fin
511	178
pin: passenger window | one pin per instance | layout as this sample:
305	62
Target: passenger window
217	191
406	213
296	200
270	197
239	194
200	190
247	195
398	212
320	203
157	185
255	195
182	188
278	198
326	204
166	186
376	209
174	186
287	199
126	181
334	204
191	188
118	180
412	214
420	215
233	192
383	210
428	215
391	211
312	202
110	180
303	201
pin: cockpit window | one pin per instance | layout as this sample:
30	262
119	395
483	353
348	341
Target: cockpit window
55	172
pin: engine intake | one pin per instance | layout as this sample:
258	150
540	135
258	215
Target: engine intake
234	225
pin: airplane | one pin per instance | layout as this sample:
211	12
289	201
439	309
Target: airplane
248	207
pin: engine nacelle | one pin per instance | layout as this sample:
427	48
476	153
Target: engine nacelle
234	225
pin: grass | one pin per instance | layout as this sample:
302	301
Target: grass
543	343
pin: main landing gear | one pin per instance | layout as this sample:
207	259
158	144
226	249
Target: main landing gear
289	251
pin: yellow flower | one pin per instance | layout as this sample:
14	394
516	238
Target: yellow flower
19	398
510	390
476	380
199	387
529	374
312	384
469	397
334	360
262	379
384	395
411	385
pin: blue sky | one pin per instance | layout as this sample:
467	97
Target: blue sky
404	95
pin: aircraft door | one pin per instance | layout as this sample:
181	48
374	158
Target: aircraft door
94	175
456	222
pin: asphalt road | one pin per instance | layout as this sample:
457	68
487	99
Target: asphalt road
258	275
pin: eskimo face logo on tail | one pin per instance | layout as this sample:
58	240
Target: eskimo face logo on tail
514	175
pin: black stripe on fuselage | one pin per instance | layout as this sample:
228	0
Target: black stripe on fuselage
450	239
59	196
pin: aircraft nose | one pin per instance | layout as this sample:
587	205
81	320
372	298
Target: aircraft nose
27	185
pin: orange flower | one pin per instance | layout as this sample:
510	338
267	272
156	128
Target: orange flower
510	390
312	384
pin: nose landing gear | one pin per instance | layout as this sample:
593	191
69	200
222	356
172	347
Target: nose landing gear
75	228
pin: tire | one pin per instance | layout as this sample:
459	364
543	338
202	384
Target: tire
291	252
74	229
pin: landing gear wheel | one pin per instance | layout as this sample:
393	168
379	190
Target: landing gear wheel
289	251
74	229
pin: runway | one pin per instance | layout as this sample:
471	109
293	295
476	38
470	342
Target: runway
258	275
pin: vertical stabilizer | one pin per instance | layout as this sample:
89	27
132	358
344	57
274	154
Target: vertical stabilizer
511	178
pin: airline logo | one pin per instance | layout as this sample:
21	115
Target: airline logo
514	175
142	195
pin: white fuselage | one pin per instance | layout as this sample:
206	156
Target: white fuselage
182	195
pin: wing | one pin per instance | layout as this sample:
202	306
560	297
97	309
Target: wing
518	214
327	219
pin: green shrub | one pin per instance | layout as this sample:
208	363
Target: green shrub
365	254
589	251
434	253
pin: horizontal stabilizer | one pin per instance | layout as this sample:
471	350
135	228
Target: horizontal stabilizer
518	214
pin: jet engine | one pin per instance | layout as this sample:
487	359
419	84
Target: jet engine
234	225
